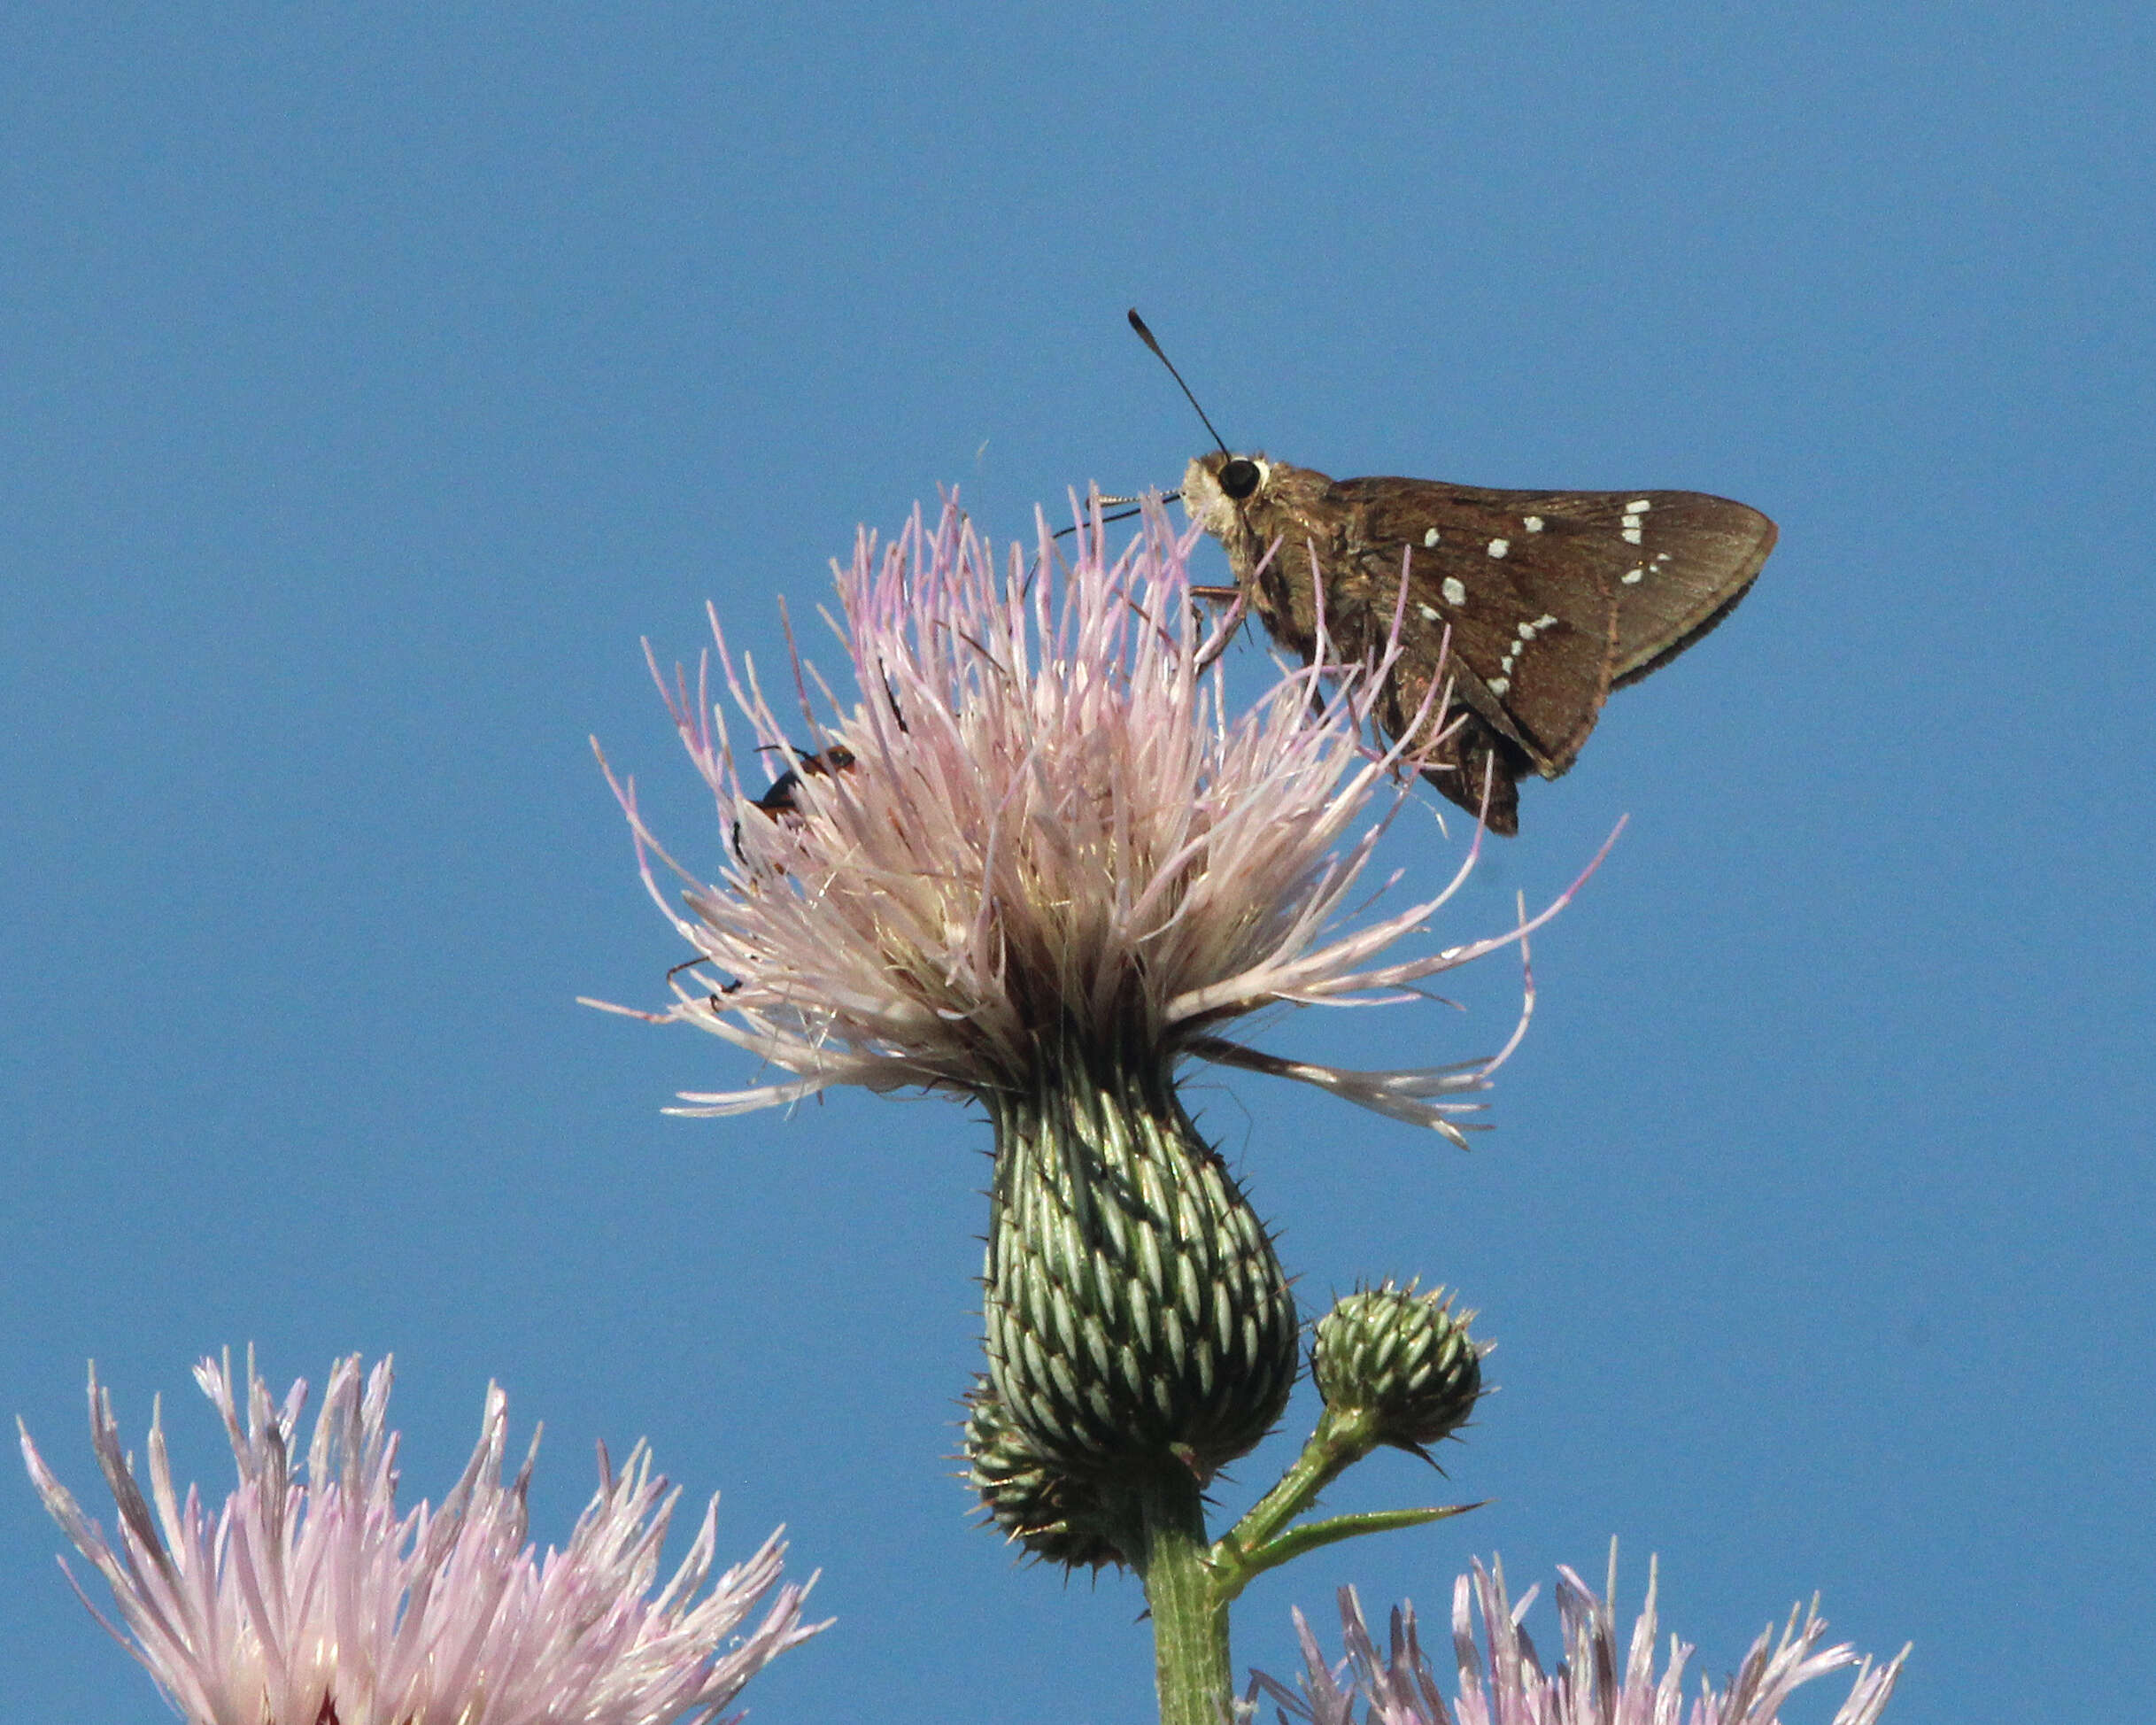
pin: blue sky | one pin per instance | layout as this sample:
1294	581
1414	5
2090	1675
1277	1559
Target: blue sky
375	381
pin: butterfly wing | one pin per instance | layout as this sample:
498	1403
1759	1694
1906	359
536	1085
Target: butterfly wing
1534	627
1695	557
1551	599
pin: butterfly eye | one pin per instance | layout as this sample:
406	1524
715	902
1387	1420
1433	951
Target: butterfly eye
1239	478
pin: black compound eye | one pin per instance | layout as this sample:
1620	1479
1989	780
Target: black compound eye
1239	478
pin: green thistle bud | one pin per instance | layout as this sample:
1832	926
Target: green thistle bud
1055	1518
1402	1360
1135	1309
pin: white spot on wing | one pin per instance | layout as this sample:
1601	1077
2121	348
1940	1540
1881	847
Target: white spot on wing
1631	577
1429	612
1534	523
1498	547
1499	685
1632	536
1640	506
1455	595
1430	537
1527	632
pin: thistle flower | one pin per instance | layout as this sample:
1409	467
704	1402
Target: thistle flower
1036	823
1033	860
317	1604
1502	1681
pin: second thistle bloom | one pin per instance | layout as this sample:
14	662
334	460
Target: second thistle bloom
309	1597
1599	1681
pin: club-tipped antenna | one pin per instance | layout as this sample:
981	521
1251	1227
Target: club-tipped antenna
1146	336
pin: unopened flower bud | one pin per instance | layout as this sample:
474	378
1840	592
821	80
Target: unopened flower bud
1055	1518
1403	1358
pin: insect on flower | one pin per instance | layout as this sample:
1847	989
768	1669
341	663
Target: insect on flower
783	797
1036	817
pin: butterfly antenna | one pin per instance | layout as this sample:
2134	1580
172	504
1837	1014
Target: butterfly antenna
1146	336
1066	532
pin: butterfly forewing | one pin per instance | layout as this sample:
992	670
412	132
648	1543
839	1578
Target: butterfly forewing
1696	557
1533	628
1677	563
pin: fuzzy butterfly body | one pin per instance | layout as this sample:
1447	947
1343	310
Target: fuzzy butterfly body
1552	599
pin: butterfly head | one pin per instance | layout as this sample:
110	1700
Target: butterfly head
1218	485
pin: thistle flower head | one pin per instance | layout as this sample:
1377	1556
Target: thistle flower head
1501	1681
1032	819
317	1604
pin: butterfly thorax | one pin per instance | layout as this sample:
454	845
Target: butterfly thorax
1285	544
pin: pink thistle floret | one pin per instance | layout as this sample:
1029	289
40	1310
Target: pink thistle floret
1042	824
1502	1681
317	1604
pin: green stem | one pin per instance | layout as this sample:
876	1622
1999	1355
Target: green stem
1263	1540
1337	1444
1191	1667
